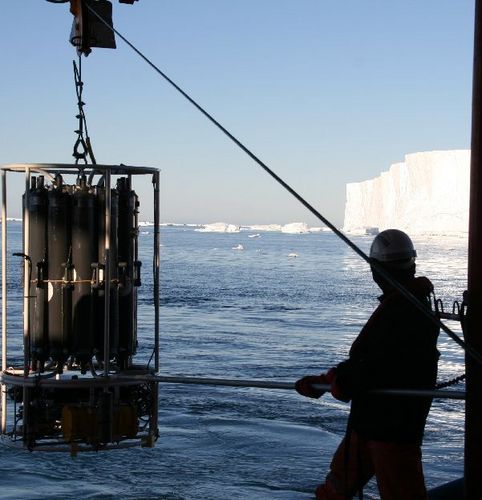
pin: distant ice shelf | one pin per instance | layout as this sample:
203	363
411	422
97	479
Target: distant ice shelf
427	193
291	228
224	227
11	219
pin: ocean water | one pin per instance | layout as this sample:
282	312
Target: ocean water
252	314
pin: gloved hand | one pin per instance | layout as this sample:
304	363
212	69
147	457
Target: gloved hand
337	393
304	386
342	373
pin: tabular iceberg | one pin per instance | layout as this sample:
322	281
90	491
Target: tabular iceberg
427	193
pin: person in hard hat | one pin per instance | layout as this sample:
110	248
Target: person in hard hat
396	349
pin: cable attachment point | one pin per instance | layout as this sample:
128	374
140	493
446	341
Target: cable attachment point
87	31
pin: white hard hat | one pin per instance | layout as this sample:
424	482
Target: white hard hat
394	248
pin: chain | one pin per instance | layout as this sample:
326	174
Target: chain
450	382
82	146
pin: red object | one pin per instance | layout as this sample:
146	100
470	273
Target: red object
304	386
75	7
336	391
397	467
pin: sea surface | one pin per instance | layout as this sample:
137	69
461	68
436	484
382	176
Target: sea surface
255	313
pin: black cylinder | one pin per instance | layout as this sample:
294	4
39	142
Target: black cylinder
84	255
37	243
127	252
59	269
114	287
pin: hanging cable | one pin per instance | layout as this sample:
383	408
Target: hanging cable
82	146
400	288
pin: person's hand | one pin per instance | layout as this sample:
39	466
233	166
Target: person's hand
335	390
337	393
304	386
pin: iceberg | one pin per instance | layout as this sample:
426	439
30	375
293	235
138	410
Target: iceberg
263	227
256	229
427	193
219	227
11	219
295	228
169	224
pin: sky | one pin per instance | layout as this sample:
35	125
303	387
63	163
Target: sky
325	92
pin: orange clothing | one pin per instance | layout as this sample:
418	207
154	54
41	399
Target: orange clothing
397	467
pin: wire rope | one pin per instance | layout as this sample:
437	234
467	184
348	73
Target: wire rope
400	288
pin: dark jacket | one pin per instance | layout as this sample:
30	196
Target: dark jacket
395	349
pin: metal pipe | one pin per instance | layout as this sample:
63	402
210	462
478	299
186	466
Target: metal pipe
157	263
4	299
26	276
107	273
450	316
473	415
26	292
125	379
156	271
50	169
267	384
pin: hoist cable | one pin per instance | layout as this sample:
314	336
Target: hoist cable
400	288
